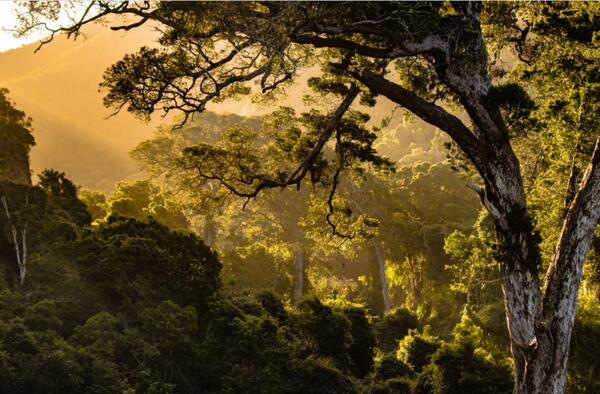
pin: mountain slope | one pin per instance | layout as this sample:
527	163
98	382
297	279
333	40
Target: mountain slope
58	88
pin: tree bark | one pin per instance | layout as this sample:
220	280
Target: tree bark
557	316
299	266
208	231
20	248
540	323
385	289
387	305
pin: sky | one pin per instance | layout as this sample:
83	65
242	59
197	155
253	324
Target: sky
7	23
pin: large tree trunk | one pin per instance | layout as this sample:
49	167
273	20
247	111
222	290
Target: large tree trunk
299	267
540	321
415	277
387	305
554	326
385	290
208	231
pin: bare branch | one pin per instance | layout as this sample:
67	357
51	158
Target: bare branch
332	191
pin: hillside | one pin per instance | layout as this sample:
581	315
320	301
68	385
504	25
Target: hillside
58	88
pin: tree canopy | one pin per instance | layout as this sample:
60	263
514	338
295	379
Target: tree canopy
522	131
17	140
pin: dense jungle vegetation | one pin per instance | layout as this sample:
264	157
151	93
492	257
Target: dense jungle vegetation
320	251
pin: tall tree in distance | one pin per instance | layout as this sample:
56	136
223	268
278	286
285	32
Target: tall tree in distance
282	226
416	54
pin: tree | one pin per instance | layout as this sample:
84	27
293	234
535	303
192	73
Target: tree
128	262
17	140
418	206
95	202
414	54
16	219
15	133
38	218
142	199
253	239
62	195
394	326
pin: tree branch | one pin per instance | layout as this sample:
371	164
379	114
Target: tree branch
325	135
321	42
300	173
431	113
566	268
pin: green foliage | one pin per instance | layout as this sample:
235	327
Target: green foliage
389	367
360	351
394	326
413	228
556	47
463	366
473	264
592	274
95	202
328	329
417	348
392	386
129	262
49	215
257	245
272	305
585	345
320	377
62	195
158	320
141	199
259	240
516	106
15	134
475	274
247	160
229	344
576	22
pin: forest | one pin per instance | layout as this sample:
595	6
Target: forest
412	210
